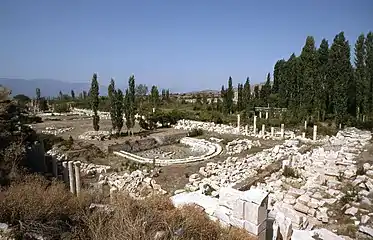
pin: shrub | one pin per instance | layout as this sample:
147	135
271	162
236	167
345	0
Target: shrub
290	172
195	132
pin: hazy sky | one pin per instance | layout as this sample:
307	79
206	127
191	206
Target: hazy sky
181	45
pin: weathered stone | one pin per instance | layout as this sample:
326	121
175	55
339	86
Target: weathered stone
351	211
301	208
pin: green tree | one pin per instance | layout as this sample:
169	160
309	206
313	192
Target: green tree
154	96
127	110
362	85
339	68
112	103
308	59
369	68
72	94
230	96
240	102
323	92
266	90
132	98
119	102
246	98
223	95
94	100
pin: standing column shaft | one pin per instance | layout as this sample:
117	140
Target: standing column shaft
272	131
71	177
77	177
263	130
238	121
254	125
305	125
304	135
266	115
260	114
314	132
282	130
246	129
65	172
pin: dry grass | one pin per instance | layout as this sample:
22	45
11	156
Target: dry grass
35	206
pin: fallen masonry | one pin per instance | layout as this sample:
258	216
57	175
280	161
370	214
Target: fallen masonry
304	198
240	145
55	131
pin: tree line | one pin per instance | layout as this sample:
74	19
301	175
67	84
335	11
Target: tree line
319	84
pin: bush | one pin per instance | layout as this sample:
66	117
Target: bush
195	132
37	206
290	172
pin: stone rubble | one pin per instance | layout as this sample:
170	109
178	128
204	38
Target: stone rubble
138	183
235	170
95	135
226	129
240	145
56	131
308	198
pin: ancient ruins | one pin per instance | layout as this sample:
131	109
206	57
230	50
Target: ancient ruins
268	180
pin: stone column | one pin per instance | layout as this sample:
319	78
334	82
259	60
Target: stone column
340	126
153	110
71	177
54	166
282	130
263	130
254	125
246	130
266	115
272	131
314	132
304	135
260	114
238	121
65	172
77	177
305	125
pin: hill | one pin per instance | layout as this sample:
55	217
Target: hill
48	87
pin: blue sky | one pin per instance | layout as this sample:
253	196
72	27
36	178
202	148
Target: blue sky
181	45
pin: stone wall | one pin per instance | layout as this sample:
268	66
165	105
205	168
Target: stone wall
144	144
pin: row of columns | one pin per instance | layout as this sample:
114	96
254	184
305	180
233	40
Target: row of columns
272	128
70	174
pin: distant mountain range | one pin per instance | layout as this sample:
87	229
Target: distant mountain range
48	87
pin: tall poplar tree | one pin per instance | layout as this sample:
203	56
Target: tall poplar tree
119	102
369	68
362	85
94	100
323	94
112	103
230	96
246	95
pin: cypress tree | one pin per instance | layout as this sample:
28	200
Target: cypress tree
119	102
279	81
339	64
362	86
239	97
230	96
369	68
72	94
291	89
223	94
127	110
246	95
266	90
323	89
94	100
132	93
112	103
309	72
154	96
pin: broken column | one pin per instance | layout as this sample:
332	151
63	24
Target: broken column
153	110
314	132
238	121
304	135
272	131
282	130
77	177
254	125
71	176
266	115
305	125
246	130
260	114
65	172
263	130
